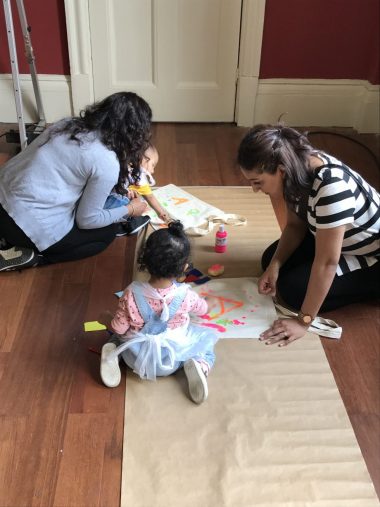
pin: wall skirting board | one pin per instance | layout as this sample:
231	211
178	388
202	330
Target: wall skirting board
319	102
311	102
55	94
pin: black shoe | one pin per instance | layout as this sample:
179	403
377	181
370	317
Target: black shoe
17	258
132	226
4	245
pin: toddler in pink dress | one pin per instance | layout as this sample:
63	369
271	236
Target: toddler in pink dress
154	334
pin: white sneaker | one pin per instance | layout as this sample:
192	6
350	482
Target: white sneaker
197	381
109	366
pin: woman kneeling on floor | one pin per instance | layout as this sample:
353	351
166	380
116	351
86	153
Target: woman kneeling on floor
52	194
328	254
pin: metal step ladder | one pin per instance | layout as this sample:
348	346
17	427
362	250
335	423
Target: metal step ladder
38	127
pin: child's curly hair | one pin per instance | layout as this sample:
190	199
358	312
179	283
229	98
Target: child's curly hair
165	252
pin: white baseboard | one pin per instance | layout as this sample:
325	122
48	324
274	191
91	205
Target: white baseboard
319	102
306	102
55	95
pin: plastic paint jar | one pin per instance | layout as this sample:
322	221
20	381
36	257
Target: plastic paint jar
221	240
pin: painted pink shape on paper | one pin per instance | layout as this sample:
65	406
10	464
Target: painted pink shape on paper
237	322
221	329
223	302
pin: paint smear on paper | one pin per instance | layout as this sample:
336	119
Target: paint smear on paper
193	212
221	329
220	324
179	200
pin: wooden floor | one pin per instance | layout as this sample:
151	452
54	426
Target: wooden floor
60	429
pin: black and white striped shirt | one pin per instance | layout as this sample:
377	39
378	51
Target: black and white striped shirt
339	196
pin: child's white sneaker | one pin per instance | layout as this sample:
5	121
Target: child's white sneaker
109	366
197	381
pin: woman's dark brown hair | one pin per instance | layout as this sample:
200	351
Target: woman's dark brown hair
122	122
265	147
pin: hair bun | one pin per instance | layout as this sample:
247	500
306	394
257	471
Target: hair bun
176	228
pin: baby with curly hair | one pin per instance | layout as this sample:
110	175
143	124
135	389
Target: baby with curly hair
152	327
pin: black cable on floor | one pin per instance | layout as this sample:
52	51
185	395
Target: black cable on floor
344	136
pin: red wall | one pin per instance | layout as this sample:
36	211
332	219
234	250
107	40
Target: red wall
325	39
48	35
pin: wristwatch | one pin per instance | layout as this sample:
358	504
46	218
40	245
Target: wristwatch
304	318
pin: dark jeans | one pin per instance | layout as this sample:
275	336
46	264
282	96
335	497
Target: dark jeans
294	276
77	244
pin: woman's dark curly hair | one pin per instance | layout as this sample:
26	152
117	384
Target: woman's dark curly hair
122	122
165	252
265	147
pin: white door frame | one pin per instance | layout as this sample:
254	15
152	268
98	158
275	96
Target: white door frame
82	79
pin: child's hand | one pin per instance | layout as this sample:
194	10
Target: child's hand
164	215
105	318
136	207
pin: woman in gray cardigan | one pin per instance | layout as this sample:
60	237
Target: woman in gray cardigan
52	194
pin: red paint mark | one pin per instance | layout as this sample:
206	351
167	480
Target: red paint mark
221	329
223	305
91	349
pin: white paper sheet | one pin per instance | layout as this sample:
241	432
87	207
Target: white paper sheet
183	206
239	310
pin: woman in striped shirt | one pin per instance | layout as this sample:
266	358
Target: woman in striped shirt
328	253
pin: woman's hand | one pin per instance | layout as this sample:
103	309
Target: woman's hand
267	281
283	332
290	240
136	207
